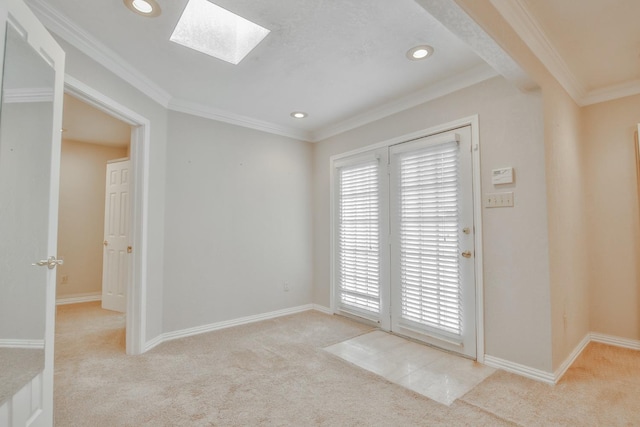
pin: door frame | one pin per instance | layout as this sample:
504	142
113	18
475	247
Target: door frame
473	122
136	312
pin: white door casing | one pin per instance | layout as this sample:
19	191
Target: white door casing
136	313
469	236
432	243
115	268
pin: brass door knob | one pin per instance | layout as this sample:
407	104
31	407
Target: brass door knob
466	254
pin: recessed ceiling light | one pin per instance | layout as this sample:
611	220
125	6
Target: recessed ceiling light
215	31
419	52
149	8
298	115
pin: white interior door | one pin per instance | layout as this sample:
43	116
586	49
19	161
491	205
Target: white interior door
117	215
432	244
30	122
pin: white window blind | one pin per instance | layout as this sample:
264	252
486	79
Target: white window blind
358	238
429	247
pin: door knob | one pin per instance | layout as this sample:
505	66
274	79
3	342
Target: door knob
466	254
50	263
105	243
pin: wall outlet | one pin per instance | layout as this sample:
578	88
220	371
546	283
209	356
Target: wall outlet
498	200
285	286
64	279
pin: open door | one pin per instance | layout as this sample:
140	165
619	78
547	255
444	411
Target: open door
30	122
115	265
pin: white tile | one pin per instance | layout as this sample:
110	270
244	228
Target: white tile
435	374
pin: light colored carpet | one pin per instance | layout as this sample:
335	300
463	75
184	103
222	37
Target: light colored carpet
273	373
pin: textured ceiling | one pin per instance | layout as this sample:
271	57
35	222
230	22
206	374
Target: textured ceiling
332	59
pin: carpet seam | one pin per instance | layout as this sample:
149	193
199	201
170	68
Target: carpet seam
486	411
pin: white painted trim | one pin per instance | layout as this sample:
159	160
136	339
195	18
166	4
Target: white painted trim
322	309
207	112
472	121
12	96
522	370
78	298
87	44
612	92
468	78
518	15
140	146
478	233
562	369
615	341
554	378
13	343
183	333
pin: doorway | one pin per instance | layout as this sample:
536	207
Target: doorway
139	156
91	139
405	238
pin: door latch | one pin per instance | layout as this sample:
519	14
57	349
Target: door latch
50	263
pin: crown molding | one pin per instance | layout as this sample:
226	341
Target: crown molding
36	94
468	78
518	15
87	44
610	93
207	112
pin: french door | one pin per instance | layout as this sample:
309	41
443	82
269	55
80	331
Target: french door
404	239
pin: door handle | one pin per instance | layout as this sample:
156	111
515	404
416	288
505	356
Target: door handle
466	254
50	263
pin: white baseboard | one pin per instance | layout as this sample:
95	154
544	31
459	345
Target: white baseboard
550	378
183	333
78	298
562	369
522	370
616	341
11	343
322	309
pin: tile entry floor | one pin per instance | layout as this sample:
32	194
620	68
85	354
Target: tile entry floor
438	375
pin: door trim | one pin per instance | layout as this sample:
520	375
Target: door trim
472	121
136	313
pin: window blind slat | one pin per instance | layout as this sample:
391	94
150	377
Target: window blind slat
428	231
358	237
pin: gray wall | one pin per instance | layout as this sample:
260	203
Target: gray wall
516	263
238	223
97	77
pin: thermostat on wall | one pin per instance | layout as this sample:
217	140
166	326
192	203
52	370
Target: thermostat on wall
502	176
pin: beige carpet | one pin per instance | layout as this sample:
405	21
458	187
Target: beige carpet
276	373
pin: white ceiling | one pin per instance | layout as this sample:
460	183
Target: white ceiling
599	40
332	59
592	46
344	63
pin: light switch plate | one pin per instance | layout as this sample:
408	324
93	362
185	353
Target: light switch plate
498	200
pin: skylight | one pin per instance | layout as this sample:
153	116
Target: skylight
212	30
